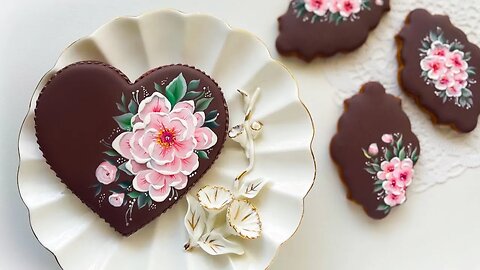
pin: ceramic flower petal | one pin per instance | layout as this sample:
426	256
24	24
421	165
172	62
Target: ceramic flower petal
244	220
249	188
214	197
195	221
215	244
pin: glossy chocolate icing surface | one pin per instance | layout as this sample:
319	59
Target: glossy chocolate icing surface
439	69
375	150
86	111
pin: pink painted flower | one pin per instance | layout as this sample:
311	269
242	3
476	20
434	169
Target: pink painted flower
387	138
379	2
388	167
445	81
319	7
334	6
439	49
404	173
393	186
163	144
456	63
454	91
106	173
158	185
348	7
394	200
435	66
116	199
373	149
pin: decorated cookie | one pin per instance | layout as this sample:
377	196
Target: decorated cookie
130	151
375	150
312	28
438	67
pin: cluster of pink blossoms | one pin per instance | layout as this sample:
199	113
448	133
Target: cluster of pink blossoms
446	69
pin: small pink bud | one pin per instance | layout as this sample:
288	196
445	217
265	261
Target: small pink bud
387	138
373	149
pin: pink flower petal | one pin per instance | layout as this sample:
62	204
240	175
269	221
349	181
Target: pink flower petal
135	167
180	181
137	151
140	182
155	103
205	138
148	139
200	116
160	194
162	155
184	149
170	168
189	164
121	144
157	121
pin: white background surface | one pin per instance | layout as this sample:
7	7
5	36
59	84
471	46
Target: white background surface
438	229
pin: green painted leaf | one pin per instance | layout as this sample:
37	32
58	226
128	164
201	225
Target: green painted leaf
112	153
149	201
425	44
401	154
378	188
371	171
193	85
124	102
211	125
158	87
121	108
433	36
176	89
193	94
445	98
388	155
116	190
211	116
202	154
470	101
400	142
462	101
123	168
378	182
117	175
134	194
203	104
376	167
124	121
383	207
466	92
125	184
142	200
395	151
133	107
98	190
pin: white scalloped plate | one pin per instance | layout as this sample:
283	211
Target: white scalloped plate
79	239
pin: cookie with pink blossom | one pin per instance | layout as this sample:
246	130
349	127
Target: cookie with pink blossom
439	69
130	151
322	28
375	150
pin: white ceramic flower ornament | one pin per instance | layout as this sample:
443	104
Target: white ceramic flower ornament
220	214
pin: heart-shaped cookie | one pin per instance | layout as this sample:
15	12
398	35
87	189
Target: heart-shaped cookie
130	151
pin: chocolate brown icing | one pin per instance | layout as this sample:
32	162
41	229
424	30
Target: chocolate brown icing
309	40
74	113
367	117
418	25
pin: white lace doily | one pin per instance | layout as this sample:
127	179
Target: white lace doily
445	153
